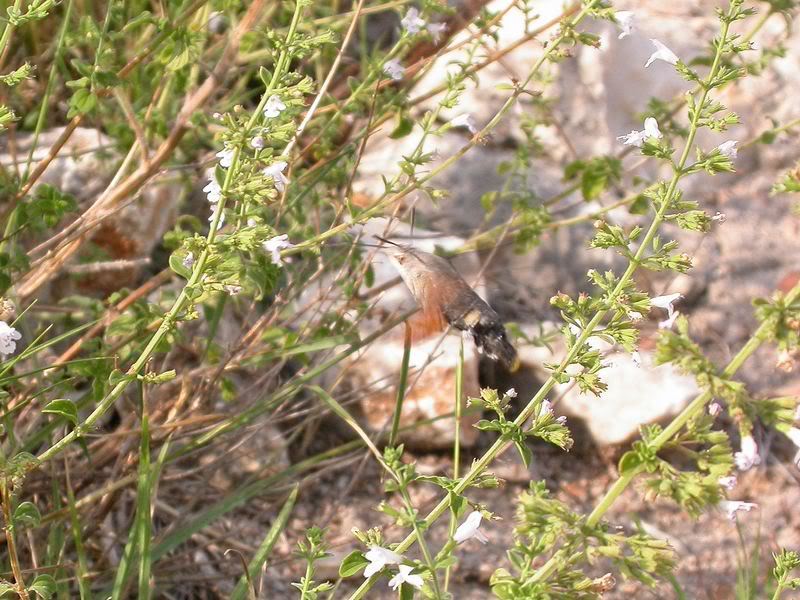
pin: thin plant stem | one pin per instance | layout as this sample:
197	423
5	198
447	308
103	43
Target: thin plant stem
171	318
456	446
401	386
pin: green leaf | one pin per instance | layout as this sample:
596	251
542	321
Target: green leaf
43	586
352	564
27	515
403	127
524	452
81	103
629	462
63	407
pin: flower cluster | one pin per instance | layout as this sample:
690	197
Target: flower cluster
8	339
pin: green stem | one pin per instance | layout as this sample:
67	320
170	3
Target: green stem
423	546
171	318
456	446
499	445
401	386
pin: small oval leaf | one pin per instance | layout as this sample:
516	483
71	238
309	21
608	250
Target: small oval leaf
63	407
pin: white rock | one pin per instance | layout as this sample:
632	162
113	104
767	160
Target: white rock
635	396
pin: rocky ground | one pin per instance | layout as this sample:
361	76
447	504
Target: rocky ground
595	98
747	256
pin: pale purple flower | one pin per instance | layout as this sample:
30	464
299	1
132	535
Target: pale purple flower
470	529
626	20
275	170
562	420
188	260
748	456
436	30
216	22
637	138
405	576
546	409
217	115
731	507
728	482
719	217
728	149
8	339
412	22
714	409
274	107
274	246
511	393
257	142
378	558
636	358
225	157
661	53
465	120
394	69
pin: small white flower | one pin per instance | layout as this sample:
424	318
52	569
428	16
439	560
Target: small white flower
748	456
728	482
273	107
188	260
225	157
651	128
465	120
8	339
661	53
394	69
217	115
637	138
213	191
470	529
412	22
378	558
436	30
274	246
728	149
719	217
546	409
257	142
232	290
636	358
275	170
511	393
714	409
666	302
221	216
405	576
562	420
626	20
731	507
669	321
